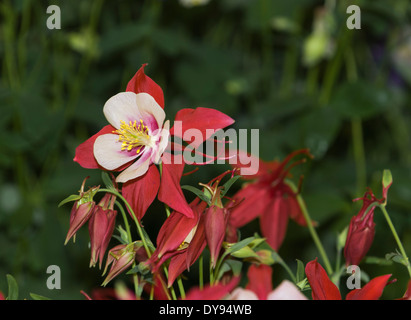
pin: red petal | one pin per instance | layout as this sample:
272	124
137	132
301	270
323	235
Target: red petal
260	280
176	267
84	152
215	292
274	221
322	287
371	291
142	83
197	244
170	191
141	192
174	231
239	156
252	201
200	119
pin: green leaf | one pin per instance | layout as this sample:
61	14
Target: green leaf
13	288
123	235
303	284
229	264
198	193
107	180
38	297
378	261
73	197
239	245
341	239
300	275
228	185
397	257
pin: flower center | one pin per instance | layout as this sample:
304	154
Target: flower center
133	136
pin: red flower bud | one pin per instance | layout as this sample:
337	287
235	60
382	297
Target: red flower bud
120	257
361	231
101	227
81	210
215	228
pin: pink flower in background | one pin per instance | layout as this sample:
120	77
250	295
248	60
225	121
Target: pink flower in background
260	287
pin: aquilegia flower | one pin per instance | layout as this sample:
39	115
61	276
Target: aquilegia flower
137	138
140	136
271	199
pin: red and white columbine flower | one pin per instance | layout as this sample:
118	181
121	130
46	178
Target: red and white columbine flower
147	140
140	136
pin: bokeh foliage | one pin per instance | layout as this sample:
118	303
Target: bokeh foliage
291	68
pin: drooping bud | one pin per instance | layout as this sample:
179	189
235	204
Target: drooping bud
215	229
386	184
101	227
82	210
120	257
361	231
359	239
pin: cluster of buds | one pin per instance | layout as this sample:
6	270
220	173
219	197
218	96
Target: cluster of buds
100	217
182	239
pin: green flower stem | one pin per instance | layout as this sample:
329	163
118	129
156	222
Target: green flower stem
181	288
127	225
396	237
359	153
211	275
356	127
130	240
314	234
140	231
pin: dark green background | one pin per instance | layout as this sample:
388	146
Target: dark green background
243	57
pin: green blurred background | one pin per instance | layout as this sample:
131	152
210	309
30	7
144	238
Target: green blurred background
289	68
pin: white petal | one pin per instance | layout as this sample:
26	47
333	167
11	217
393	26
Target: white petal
138	168
107	151
163	142
122	107
128	106
149	108
286	291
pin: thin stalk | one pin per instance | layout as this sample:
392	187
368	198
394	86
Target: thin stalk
139	230
356	127
314	234
359	153
130	240
396	237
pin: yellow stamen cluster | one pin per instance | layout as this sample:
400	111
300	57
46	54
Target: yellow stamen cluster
133	136
183	245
